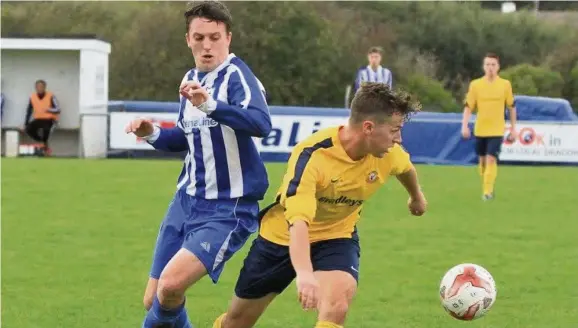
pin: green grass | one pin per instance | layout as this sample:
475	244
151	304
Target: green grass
78	235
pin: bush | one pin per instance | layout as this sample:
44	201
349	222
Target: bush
534	80
430	93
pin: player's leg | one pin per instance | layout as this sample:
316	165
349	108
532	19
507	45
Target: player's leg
33	130
168	307
214	231
47	128
482	151
266	272
337	291
169	241
336	265
493	151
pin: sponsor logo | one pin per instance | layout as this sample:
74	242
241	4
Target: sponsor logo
341	200
201	122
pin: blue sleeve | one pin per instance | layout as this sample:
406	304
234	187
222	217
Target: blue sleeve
171	140
390	80
247	109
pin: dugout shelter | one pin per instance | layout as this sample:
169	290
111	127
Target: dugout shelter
76	71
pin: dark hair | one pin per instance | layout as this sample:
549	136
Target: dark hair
373	50
41	82
211	10
492	55
376	100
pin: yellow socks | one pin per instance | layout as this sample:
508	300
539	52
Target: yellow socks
219	322
327	324
490	174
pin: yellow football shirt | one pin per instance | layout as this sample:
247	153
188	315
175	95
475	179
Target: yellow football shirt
490	99
325	187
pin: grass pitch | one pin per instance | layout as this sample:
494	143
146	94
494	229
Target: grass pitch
78	236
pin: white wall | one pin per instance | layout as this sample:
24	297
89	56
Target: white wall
94	103
59	68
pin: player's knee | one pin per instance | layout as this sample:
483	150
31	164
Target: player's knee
334	309
147	302
169	288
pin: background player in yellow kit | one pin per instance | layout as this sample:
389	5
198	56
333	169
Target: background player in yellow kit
309	232
489	95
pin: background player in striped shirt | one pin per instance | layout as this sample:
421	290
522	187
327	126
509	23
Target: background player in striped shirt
490	95
373	72
215	208
309	232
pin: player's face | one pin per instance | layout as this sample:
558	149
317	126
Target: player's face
40	88
491	66
374	59
380	137
209	42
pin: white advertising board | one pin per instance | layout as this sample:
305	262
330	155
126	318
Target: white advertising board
542	142
286	132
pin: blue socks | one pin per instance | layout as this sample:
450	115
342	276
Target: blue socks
158	317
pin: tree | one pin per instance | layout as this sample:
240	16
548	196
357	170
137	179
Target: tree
534	80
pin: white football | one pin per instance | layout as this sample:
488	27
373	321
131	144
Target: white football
467	291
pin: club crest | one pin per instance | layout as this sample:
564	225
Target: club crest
372	176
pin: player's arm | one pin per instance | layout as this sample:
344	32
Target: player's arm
28	112
300	206
510	103
389	79
469	106
55	107
410	182
247	109
357	82
405	172
168	139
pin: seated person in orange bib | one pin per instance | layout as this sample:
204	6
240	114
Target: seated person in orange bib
44	110
309	232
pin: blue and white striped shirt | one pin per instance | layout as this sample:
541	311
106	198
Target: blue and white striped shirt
367	74
222	160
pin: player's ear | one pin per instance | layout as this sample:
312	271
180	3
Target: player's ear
187	40
229	36
367	127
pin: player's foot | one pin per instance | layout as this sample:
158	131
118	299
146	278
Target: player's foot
488	197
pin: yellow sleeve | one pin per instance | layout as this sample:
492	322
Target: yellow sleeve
509	95
401	161
471	96
300	186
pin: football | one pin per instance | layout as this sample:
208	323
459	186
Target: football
467	291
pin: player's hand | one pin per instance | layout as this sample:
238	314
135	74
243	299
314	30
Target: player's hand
140	127
418	205
307	290
466	132
513	135
194	92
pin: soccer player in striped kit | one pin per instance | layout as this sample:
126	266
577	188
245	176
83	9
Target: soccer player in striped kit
373	72
215	208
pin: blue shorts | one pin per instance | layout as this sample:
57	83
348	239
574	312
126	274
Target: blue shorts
213	230
267	268
489	146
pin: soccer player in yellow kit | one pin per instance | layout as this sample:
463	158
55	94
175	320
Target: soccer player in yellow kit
309	232
489	95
